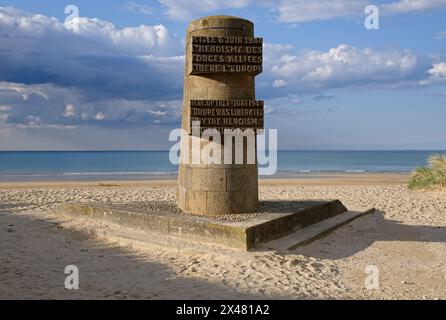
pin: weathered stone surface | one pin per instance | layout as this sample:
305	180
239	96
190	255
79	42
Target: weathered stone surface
241	179
225	202
230	92
209	188
222	21
195	201
252	198
211	179
247	233
181	196
200	93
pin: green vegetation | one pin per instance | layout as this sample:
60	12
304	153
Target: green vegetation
434	176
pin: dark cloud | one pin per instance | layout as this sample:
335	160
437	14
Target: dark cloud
93	56
110	76
48	105
107	76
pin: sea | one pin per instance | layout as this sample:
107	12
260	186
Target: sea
144	165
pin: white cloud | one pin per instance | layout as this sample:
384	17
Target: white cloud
5	131
290	11
436	74
100	116
288	71
189	9
23	92
298	11
309	10
438	70
93	66
100	75
343	65
404	6
5	108
283	105
142	39
70	111
68	107
441	35
279	83
139	8
32	120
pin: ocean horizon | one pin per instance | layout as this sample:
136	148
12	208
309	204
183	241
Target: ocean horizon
142	165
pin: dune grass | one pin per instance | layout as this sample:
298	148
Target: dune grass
432	177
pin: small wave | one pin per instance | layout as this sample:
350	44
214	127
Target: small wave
149	173
334	171
86	176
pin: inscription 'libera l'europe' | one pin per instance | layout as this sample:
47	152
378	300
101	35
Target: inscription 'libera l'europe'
227	55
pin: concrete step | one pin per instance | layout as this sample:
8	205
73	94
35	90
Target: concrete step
281	219
313	232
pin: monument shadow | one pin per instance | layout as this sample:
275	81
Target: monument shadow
363	232
35	252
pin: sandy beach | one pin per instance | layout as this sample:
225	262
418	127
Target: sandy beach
405	238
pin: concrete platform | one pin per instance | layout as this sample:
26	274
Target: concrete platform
275	220
312	233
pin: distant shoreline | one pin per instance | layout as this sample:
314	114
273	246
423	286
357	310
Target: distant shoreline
157	165
153	176
302	179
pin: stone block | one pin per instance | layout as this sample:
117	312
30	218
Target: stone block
212	179
241	179
221	22
181	196
195	202
219	203
211	80
251	203
200	93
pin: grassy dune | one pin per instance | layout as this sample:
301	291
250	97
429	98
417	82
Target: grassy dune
432	177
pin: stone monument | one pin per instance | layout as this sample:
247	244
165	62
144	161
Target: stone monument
221	120
222	59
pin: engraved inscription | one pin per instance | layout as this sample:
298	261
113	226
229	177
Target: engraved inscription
227	54
228	114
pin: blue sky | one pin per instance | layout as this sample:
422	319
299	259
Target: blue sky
115	82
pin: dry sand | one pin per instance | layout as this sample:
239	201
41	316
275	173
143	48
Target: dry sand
405	239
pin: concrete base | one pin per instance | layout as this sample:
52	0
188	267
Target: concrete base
314	232
244	232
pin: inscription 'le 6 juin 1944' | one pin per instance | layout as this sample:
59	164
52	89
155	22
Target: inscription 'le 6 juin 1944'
227	55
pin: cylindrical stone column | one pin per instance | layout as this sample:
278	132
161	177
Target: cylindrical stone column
216	189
